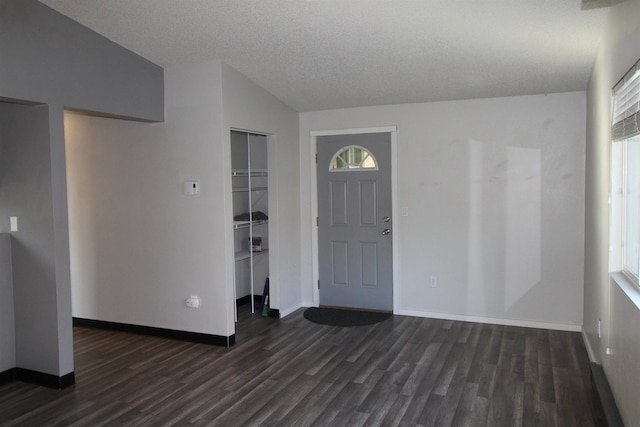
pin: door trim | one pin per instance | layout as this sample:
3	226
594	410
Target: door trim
394	204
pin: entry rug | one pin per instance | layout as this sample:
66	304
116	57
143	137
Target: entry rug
338	317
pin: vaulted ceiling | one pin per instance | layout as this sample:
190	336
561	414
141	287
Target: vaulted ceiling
326	54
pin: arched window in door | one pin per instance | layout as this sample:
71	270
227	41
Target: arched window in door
353	158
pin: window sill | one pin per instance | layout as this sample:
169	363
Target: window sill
628	287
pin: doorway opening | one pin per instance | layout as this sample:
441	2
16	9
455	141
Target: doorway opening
250	186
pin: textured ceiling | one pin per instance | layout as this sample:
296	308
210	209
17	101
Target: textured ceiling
326	54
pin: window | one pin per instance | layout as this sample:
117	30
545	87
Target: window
626	163
631	206
353	157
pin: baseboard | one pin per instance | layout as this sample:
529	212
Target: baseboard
287	311
257	299
37	378
274	312
47	380
603	390
587	345
491	320
7	376
196	337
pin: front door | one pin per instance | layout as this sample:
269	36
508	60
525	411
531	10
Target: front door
354	221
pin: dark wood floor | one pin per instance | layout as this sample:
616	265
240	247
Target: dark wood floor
405	371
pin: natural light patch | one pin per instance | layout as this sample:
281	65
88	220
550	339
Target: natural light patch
352	158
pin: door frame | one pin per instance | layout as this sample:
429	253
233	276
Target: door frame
313	136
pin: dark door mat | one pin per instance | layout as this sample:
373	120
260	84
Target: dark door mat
338	317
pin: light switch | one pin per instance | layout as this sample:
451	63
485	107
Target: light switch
14	223
192	188
404	211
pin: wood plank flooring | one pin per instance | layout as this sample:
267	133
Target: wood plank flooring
405	371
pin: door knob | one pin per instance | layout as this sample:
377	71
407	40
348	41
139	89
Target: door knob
386	231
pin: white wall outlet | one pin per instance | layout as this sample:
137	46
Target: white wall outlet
13	223
433	282
193	302
599	330
404	211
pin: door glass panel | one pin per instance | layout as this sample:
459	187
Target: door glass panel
353	158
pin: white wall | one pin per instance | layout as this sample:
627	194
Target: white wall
618	308
248	106
139	246
495	192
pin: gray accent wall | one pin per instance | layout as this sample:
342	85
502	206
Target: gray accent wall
7	323
49	58
26	192
51	64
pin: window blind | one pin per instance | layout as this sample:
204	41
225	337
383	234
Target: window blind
626	105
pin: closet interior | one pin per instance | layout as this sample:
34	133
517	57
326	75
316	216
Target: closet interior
250	217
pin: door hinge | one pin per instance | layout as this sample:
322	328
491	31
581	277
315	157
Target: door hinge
318	283
316	158
317	222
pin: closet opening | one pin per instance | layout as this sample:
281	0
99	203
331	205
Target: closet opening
251	215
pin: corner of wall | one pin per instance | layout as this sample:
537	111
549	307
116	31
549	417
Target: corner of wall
7	322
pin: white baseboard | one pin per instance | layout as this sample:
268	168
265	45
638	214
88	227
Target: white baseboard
491	320
466	318
590	352
287	311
